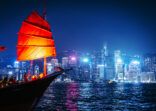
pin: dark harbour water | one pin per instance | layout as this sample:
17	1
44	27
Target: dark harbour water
98	97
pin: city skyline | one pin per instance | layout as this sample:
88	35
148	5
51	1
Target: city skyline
77	55
85	25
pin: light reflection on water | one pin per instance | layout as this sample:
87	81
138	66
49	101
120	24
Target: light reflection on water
98	97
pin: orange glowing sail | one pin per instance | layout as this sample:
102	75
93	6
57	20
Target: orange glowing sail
35	39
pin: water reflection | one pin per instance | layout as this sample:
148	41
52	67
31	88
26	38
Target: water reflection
72	95
98	97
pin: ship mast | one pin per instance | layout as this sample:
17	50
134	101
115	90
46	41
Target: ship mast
35	40
45	66
45	59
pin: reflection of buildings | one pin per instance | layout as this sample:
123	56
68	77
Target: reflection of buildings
71	97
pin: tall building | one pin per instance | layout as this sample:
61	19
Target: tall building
109	67
102	66
133	73
149	63
54	62
36	69
65	62
119	65
101	71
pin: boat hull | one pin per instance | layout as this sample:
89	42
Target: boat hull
25	94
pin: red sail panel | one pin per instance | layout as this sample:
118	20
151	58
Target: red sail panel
34	40
31	52
30	29
36	19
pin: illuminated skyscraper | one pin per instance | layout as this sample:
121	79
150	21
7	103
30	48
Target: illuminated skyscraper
36	69
119	65
134	70
104	53
65	62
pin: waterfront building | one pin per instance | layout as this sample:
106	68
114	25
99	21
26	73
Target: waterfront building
100	68
104	54
119	65
65	61
134	70
54	62
109	67
149	63
17	70
73	61
147	77
36	69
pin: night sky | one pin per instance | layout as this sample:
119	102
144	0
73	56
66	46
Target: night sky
84	25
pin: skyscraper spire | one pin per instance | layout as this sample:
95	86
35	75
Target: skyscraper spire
105	49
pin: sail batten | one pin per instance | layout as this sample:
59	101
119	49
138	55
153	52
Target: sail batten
35	18
45	37
31	40
36	25
34	46
34	30
35	39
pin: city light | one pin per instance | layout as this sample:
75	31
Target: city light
10	72
16	62
49	64
100	65
85	60
119	60
73	58
135	62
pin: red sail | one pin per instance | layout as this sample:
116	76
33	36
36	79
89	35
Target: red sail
35	39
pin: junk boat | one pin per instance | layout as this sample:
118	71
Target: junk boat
34	42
